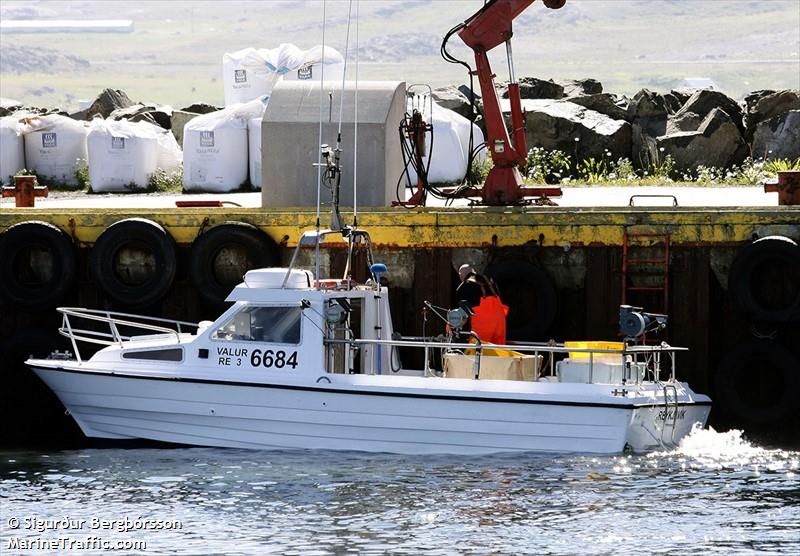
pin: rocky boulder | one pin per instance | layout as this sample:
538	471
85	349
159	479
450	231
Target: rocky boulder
647	104
716	143
580	87
575	130
178	121
688	121
647	112
778	137
674	102
764	105
453	99
611	105
105	103
145	112
201	108
8	106
704	101
535	88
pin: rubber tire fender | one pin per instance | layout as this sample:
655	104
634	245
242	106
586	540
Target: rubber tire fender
530	295
753	273
761	370
144	234
260	250
18	239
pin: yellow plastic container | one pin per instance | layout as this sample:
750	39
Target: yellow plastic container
592	344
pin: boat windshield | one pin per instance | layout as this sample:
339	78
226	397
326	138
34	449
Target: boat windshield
279	325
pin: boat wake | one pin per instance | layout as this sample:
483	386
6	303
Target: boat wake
709	449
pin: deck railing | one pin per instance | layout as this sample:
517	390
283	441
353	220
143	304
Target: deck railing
115	321
651	355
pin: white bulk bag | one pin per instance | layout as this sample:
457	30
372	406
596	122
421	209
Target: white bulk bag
215	148
55	146
12	149
170	156
122	155
284	59
252	73
311	62
450	145
254	151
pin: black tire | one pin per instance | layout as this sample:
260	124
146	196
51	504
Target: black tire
530	295
764	280
221	256
37	266
133	262
758	382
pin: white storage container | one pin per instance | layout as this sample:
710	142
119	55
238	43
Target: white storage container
12	149
122	155
254	151
215	148
582	371
55	146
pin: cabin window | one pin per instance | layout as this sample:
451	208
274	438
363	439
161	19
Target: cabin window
172	354
277	325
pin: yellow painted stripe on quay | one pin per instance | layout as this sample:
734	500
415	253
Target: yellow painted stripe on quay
456	227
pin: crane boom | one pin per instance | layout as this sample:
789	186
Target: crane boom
485	30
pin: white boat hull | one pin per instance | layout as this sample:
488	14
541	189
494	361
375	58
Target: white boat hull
282	416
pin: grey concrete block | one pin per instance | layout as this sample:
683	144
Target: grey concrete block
179	120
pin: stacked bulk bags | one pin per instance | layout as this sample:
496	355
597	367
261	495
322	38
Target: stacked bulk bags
12	149
215	148
450	154
252	73
55	146
312	62
246	76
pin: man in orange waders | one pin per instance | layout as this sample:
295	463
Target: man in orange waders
489	318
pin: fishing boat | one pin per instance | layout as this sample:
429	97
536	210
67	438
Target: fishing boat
298	362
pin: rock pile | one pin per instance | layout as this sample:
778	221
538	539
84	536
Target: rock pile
694	127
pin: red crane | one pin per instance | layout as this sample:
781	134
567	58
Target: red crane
482	32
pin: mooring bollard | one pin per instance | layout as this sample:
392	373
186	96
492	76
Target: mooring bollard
25	191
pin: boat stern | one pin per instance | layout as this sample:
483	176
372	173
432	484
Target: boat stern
666	421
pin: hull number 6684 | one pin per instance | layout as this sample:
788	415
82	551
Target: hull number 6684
277	359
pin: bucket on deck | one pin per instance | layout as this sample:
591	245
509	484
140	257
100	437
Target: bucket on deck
583	356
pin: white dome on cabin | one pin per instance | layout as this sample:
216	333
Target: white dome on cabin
273	278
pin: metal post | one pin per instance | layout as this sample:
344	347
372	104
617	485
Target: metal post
511	77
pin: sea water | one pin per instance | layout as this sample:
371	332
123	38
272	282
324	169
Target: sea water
716	494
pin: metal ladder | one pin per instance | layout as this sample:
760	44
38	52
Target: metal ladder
637	251
670	419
